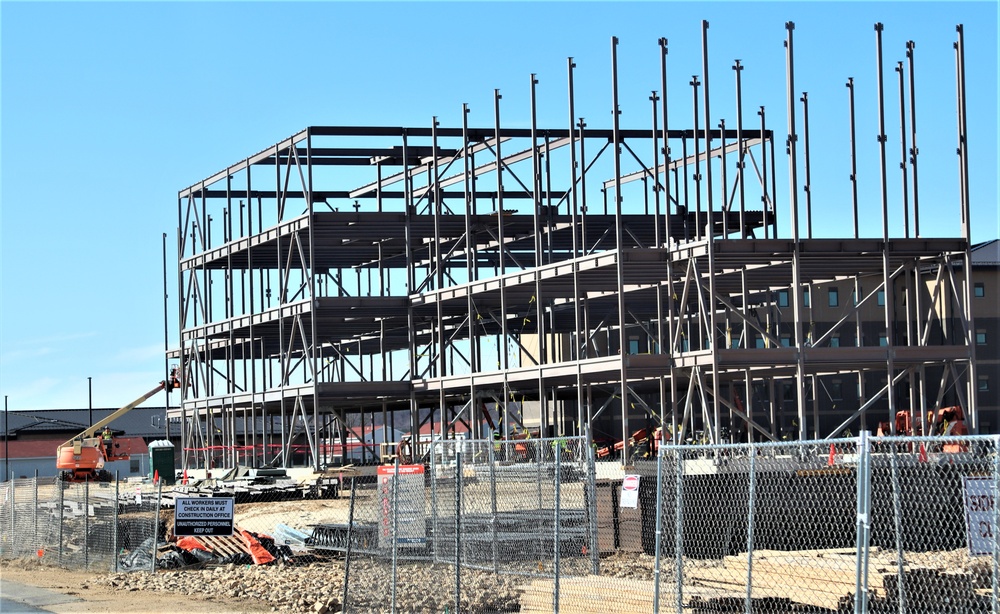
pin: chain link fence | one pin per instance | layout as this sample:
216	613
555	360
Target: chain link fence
886	524
107	526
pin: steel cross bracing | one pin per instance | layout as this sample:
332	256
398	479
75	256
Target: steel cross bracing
395	275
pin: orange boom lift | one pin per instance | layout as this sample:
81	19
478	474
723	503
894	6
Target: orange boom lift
83	457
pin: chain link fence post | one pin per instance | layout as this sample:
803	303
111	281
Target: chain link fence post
658	537
434	500
493	506
595	554
395	526
555	538
897	515
751	504
13	514
458	530
86	524
34	516
679	531
996	525
61	485
863	526
114	528
347	552
156	528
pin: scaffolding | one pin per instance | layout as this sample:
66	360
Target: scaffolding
434	280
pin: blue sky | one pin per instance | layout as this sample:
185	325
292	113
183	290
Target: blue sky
107	110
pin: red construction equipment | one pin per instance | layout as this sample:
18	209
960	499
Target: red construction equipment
642	444
83	457
945	422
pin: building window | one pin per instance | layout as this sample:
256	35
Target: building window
758	342
984	383
881	297
786	341
133	466
833	297
837	390
805	297
883	341
854	297
782	298
980	289
835	341
980	337
734	343
633	346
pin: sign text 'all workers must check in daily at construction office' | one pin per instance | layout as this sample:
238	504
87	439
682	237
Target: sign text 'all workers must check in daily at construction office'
203	516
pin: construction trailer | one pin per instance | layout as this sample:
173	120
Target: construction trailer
563	279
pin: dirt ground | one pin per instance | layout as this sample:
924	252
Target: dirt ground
99	597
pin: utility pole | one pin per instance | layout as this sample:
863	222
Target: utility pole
90	400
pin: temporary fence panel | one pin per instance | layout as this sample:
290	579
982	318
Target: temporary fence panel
79	525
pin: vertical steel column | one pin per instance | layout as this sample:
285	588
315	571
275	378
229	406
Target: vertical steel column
583	189
713	343
502	341
698	225
576	241
963	157
740	163
793	201
619	244
411	286
854	157
763	173
470	246
725	205
902	159
910	45
671	321
886	273
536	186
438	269
808	183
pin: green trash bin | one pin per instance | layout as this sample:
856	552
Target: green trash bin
161	460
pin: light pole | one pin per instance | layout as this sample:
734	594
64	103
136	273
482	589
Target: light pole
90	400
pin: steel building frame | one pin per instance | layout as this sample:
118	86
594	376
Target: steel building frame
457	274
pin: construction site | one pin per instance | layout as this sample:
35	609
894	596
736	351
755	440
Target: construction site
500	368
494	281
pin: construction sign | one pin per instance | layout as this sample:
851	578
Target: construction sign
630	492
198	516
404	493
980	514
